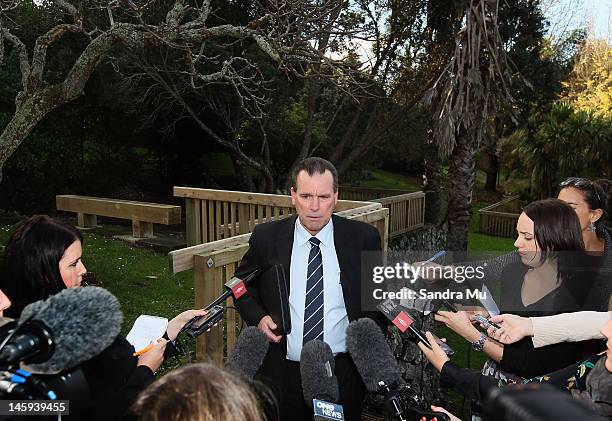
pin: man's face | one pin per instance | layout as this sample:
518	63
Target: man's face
314	199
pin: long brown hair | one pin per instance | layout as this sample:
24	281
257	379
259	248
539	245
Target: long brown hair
198	392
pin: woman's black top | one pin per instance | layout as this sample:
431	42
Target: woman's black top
115	380
588	380
521	358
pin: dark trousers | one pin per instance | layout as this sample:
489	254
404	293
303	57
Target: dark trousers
285	379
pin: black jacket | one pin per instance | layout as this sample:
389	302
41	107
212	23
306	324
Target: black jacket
272	243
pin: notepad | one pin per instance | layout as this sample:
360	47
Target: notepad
147	329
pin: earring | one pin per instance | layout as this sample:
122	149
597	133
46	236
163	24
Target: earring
591	227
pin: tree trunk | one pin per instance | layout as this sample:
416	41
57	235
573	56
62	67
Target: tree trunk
461	184
492	170
27	115
434	200
339	149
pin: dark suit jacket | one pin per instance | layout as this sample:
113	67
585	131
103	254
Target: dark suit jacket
272	243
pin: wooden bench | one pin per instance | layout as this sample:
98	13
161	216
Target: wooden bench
142	214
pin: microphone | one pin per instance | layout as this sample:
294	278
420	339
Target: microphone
379	371
236	287
63	331
248	352
372	356
403	321
319	385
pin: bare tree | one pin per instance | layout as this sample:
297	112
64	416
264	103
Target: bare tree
283	31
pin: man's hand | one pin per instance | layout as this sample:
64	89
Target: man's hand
460	323
175	325
436	356
512	328
154	357
267	325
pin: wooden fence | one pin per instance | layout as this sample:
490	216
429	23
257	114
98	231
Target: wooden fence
406	212
500	218
217	214
215	262
367	194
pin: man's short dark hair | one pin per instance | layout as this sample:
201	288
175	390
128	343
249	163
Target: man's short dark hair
312	165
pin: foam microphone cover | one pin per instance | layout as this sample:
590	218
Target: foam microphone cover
371	354
83	322
316	380
248	352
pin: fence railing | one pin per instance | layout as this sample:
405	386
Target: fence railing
500	218
406	212
212	215
367	194
215	262
217	214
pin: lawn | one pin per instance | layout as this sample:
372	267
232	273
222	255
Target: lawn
382	179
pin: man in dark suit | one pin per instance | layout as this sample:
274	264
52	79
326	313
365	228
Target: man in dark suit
314	289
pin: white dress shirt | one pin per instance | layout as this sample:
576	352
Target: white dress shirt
335	319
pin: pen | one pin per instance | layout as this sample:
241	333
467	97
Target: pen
143	350
436	256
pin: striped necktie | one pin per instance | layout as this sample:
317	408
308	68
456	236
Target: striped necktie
313	306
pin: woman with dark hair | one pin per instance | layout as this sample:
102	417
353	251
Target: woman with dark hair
548	279
43	257
200	392
39	255
590	201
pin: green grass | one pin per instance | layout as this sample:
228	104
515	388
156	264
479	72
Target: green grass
382	179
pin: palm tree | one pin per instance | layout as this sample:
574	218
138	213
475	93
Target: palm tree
465	98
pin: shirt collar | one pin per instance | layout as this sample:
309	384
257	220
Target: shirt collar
325	235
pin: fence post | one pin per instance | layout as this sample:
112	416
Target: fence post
208	285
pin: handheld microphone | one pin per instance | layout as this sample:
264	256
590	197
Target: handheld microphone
439	254
402	320
63	331
319	385
380	372
248	352
372	356
236	287
374	360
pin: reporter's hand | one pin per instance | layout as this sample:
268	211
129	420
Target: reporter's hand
154	357
440	409
473	311
512	328
436	356
267	325
175	325
460	323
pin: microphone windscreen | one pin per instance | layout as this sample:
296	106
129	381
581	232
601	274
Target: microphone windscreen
317	367
371	354
248	352
83	323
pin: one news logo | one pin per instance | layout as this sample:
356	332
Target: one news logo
327	411
402	321
239	290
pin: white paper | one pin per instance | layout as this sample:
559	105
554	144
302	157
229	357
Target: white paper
147	329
